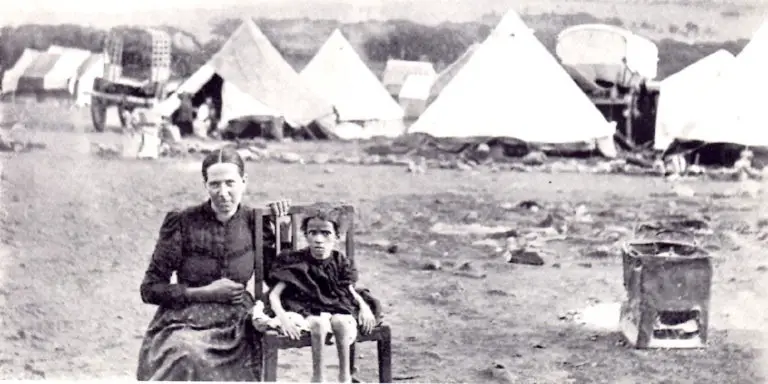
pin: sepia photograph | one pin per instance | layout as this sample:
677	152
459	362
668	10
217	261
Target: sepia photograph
384	191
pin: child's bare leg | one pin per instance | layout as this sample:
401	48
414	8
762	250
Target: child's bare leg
319	326
345	331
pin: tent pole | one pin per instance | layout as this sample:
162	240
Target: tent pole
630	102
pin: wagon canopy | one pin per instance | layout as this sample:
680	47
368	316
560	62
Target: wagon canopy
595	53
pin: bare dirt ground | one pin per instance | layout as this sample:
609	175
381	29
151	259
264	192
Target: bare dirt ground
78	231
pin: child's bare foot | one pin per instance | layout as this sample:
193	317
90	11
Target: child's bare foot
344	378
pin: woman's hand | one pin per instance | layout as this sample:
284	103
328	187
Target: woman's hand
288	327
225	291
280	208
366	319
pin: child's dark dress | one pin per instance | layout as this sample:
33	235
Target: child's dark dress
315	286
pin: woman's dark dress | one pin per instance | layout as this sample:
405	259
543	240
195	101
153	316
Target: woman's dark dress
314	286
200	341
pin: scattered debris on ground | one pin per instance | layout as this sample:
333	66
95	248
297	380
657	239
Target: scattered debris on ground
466	158
18	139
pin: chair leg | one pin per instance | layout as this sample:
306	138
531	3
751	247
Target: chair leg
384	346
269	364
258	359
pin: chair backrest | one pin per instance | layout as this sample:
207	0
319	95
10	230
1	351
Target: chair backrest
296	213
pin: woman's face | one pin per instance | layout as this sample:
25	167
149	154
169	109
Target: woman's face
225	186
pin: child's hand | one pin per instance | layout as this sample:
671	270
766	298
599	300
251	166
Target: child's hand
288	327
366	319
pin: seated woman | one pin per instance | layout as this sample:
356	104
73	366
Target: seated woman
201	330
317	283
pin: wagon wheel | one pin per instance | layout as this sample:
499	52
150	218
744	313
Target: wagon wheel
99	115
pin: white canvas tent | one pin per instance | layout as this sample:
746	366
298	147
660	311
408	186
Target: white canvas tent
447	74
40	76
257	81
732	110
513	87
510	23
51	71
12	75
81	84
414	94
680	95
338	74
66	68
397	71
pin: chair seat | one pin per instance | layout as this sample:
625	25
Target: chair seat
274	338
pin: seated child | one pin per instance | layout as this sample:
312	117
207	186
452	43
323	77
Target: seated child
317	283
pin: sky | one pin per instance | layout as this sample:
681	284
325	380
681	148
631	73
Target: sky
106	6
196	16
106	13
119	6
102	12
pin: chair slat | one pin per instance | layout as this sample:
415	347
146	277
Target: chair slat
350	235
258	245
278	237
295	221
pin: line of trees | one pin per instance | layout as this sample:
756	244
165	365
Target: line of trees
441	45
401	39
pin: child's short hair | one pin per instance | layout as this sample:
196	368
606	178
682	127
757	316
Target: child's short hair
333	216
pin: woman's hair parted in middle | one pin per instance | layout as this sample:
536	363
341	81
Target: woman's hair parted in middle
223	155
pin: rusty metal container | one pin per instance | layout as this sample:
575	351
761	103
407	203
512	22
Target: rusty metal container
668	286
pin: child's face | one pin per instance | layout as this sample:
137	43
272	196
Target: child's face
321	238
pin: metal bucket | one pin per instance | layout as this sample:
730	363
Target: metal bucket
665	280
634	252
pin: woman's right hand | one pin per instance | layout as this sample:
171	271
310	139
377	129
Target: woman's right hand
225	291
288	327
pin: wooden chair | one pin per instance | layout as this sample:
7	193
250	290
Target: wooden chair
272	341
